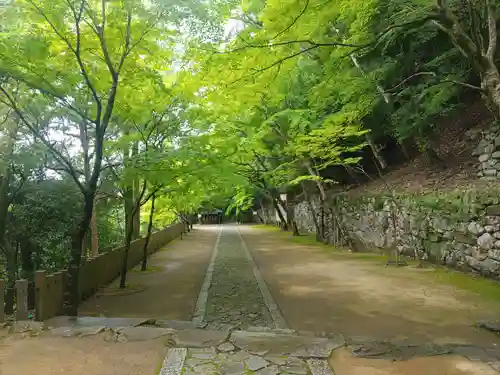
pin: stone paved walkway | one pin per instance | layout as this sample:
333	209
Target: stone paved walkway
234	294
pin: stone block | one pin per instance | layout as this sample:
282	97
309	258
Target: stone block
493	210
476	228
255	363
483	158
144	333
494	254
486	241
22	299
472	262
465	238
489	228
490	172
489	267
496	155
434	237
190	338
481	147
278	344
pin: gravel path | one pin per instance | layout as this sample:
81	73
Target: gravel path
234	296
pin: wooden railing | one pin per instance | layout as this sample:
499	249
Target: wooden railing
50	289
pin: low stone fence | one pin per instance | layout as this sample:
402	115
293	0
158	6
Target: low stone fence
50	289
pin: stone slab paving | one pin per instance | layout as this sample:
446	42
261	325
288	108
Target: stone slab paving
67	321
232	294
244	353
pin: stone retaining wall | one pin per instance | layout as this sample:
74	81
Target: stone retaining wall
95	272
488	153
460	229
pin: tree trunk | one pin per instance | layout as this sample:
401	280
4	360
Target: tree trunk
5	201
376	152
27	261
128	240
491	83
94	233
387	99
264	217
77	241
136	193
276	204
331	210
128	205
148	235
291	219
319	232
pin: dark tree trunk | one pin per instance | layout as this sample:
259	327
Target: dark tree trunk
128	240
291	220
136	193
94	233
27	261
77	241
144	264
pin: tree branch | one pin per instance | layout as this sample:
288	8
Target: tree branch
293	22
434	75
492	29
54	151
75	50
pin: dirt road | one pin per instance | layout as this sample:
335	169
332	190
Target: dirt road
320	291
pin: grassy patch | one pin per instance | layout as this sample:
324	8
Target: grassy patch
306	239
164	248
271	228
310	240
149	269
114	290
486	288
371	257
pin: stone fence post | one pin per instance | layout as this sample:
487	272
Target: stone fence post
22	299
2	307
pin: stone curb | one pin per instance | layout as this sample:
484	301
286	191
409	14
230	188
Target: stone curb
201	303
274	311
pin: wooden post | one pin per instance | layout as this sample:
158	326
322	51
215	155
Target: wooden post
2	307
22	299
40	294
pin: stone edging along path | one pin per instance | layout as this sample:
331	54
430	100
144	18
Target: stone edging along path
277	317
201	303
234	294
